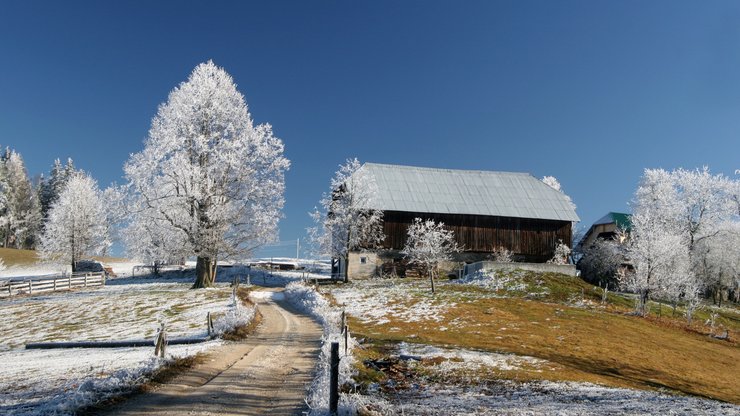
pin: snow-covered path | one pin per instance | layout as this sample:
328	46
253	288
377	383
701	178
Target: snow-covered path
269	373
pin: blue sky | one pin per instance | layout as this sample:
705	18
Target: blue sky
591	92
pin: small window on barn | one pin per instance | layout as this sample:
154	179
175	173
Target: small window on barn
363	260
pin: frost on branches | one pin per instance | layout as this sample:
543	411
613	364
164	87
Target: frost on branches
602	262
682	220
207	178
76	226
553	183
429	244
20	215
561	253
347	222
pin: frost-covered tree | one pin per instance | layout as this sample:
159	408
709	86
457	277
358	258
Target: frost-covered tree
553	183
153	241
659	256
213	177
658	249
429	244
50	188
704	202
77	223
716	260
561	254
687	212
346	221
601	261
21	216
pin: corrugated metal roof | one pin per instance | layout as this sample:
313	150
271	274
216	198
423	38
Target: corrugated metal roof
448	191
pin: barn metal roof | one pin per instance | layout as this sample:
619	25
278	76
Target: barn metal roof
448	191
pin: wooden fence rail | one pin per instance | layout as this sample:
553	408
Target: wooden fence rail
9	288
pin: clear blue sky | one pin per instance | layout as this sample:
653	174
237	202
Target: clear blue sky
591	92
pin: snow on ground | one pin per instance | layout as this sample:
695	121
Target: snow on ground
373	301
457	359
547	398
305	298
502	281
58	381
500	397
34	270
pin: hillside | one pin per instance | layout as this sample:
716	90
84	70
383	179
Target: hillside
22	258
553	327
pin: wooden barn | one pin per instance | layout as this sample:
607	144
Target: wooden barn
486	210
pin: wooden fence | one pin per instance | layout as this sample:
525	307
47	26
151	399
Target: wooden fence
9	288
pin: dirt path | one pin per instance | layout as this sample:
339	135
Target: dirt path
267	374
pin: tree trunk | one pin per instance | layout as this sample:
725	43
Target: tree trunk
345	272
431	278
204	273
643	302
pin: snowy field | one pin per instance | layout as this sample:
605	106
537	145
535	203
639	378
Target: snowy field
547	398
59	381
456	381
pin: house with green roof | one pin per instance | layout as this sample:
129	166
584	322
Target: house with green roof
607	227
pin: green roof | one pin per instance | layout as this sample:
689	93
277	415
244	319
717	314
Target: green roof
622	220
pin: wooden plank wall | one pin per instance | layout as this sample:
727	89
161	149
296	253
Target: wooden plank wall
477	233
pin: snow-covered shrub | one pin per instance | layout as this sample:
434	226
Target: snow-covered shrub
502	255
562	251
307	299
238	315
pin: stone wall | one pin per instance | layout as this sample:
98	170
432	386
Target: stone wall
568	269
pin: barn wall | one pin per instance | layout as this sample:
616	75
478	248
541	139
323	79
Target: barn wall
533	240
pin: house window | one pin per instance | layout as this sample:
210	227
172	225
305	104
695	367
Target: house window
363	260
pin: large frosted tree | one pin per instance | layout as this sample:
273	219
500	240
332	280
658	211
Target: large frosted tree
76	226
207	175
346	221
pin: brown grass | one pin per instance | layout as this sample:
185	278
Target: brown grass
19	257
599	344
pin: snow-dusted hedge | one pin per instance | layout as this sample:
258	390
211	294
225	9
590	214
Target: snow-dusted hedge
238	315
305	298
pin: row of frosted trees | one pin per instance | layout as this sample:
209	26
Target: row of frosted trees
208	184
683	244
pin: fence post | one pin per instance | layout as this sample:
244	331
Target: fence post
346	339
344	321
69	281
160	343
86	274
55	284
209	323
10	288
334	379
30	287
